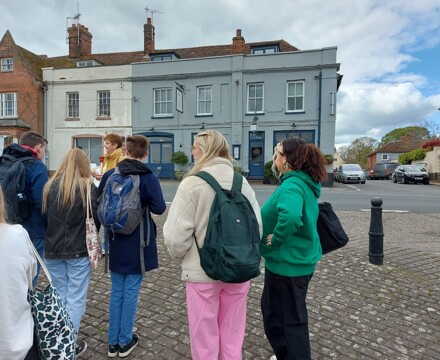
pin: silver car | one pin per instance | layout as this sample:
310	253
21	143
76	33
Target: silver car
351	173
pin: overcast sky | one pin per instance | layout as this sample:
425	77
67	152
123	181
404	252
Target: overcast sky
389	50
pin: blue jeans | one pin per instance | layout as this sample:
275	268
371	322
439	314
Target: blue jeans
71	279
39	246
123	305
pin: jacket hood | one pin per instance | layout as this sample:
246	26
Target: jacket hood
298	176
17	151
132	167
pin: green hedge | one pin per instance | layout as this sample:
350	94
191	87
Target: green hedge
407	158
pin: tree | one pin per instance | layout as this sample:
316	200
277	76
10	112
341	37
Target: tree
357	152
418	133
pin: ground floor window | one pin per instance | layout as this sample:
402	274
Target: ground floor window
92	146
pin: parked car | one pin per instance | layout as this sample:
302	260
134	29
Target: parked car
411	174
370	174
351	173
384	170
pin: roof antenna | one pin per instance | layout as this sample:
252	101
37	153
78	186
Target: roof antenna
75	19
151	12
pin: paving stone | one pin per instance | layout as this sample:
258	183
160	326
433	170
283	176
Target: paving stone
356	310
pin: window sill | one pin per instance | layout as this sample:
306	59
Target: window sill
162	117
294	112
255	113
203	115
72	119
103	118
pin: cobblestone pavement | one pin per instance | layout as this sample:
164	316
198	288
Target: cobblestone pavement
356	310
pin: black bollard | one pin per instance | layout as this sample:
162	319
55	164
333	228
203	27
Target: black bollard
375	254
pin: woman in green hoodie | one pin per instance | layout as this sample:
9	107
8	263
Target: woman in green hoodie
290	246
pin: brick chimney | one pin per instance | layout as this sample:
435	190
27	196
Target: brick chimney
80	41
148	37
238	43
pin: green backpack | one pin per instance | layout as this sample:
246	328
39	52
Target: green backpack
231	252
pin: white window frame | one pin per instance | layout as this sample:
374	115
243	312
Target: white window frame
385	157
204	100
8	105
256	101
295	95
7	64
104	103
163	102
72	104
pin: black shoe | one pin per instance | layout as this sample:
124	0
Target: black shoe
127	349
80	348
113	350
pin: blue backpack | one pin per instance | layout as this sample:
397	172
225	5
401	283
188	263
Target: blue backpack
120	209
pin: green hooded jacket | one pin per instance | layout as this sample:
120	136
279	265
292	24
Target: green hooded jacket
290	214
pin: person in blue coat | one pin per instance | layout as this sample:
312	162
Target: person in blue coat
124	252
33	145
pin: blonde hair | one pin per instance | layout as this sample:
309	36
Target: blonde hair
2	207
212	144
74	173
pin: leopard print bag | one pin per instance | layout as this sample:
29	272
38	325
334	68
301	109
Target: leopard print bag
53	327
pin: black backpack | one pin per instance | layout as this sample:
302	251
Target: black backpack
231	252
13	183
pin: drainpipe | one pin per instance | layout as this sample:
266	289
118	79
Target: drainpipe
319	107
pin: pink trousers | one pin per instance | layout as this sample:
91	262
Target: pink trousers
217	319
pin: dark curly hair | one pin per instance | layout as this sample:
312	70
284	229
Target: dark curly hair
306	157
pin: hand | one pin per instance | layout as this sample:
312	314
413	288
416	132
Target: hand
269	239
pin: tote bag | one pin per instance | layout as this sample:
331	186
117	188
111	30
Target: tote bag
53	327
92	235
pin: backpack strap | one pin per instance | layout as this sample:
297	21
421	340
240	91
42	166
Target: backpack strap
237	181
143	244
210	180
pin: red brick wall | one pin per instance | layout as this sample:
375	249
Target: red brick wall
30	97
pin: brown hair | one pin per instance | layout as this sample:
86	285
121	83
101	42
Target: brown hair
114	139
32	139
306	157
137	146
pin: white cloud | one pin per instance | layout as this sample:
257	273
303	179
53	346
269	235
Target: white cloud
376	41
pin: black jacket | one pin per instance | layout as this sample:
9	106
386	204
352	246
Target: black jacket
66	229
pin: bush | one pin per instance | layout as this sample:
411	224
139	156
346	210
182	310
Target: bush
268	170
407	158
179	158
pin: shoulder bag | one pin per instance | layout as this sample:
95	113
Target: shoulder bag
92	235
54	329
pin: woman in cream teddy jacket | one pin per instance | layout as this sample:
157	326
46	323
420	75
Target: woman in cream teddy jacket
216	310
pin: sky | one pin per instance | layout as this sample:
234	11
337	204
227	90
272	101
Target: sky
389	50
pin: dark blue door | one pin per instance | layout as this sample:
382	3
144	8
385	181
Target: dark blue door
159	154
256	155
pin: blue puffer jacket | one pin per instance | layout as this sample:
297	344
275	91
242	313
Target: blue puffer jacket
36	177
125	249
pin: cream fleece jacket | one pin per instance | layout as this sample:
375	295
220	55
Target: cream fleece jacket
189	213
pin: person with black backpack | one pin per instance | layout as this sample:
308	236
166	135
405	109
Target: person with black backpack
24	203
213	209
133	188
291	247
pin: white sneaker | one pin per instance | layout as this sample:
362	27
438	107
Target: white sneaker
273	357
